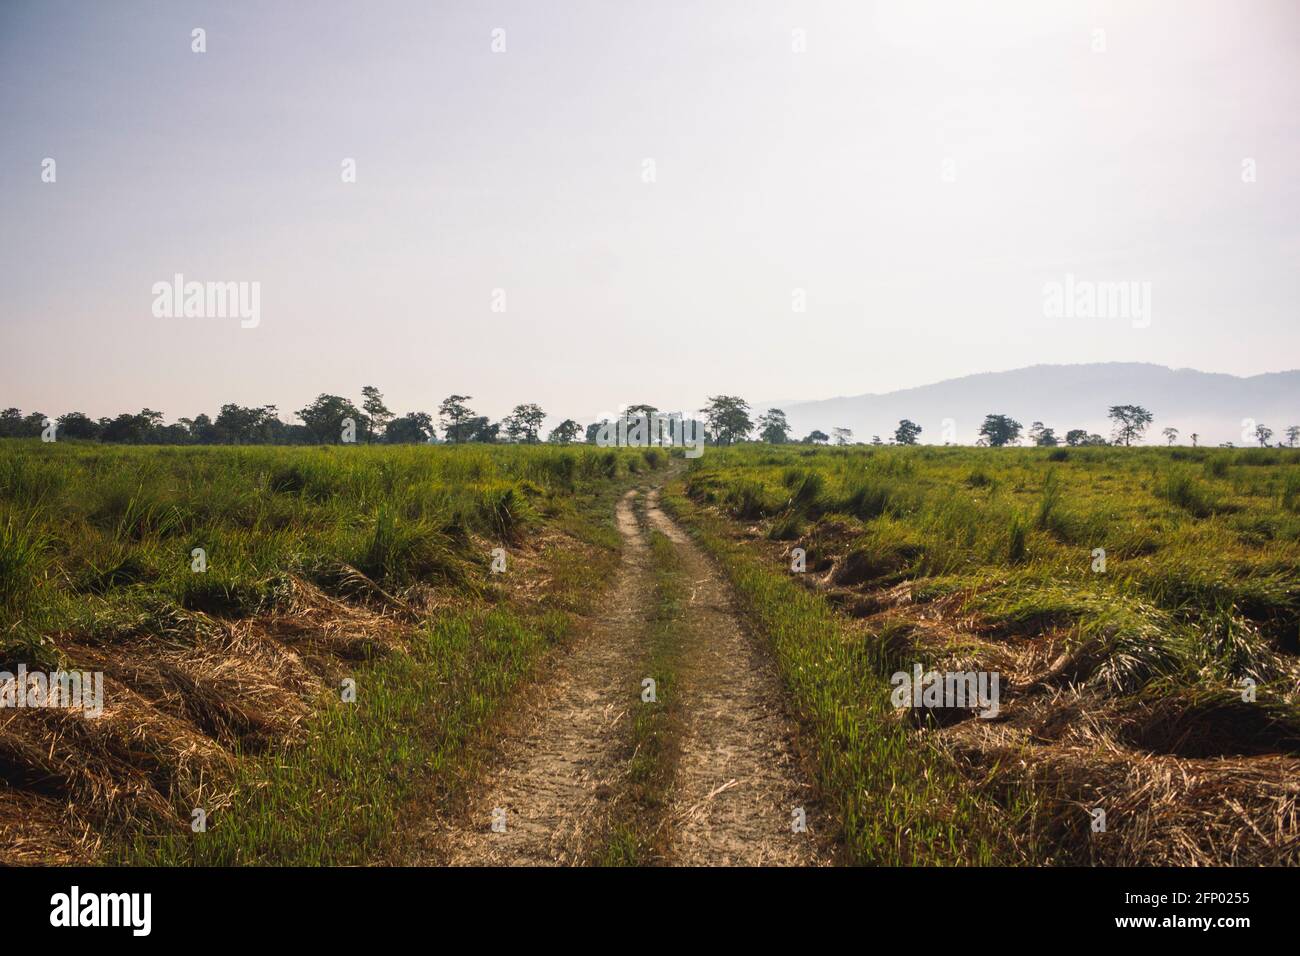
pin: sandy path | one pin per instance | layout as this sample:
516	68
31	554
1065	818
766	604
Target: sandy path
559	766
738	779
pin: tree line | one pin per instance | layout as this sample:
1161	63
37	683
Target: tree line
332	419
1130	423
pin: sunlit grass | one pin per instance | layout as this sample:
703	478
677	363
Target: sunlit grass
1200	591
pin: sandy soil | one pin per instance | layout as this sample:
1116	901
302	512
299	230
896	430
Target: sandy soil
738	781
559	770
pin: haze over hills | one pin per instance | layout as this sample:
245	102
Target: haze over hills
1064	397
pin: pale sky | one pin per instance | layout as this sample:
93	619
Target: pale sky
774	170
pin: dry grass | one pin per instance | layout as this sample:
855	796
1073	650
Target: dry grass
176	718
1187	778
1121	692
207	674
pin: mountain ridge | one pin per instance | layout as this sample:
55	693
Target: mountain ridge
1219	406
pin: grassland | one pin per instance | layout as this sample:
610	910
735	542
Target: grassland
1123	689
224	686
1159	685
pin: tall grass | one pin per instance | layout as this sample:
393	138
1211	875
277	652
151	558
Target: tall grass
1018	525
999	551
97	542
113	523
897	803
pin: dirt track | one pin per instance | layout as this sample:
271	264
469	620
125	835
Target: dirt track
738	782
560	769
558	765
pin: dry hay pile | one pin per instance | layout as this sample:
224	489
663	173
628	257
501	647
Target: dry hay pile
1161	808
179	709
1186	777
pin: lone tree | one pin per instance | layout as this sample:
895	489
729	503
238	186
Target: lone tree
1195	438
374	406
816	437
773	428
999	430
728	418
324	418
1171	434
411	429
456	416
907	432
565	432
1293	435
1042	436
842	435
1262	434
524	422
1130	422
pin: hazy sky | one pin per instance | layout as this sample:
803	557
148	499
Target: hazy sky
920	171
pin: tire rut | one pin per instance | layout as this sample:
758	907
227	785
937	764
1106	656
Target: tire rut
738	779
559	764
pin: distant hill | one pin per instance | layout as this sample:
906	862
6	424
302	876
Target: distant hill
1064	397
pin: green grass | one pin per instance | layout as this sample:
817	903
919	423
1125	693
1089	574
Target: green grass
1201	591
654	745
96	549
85	528
897	803
993	522
337	799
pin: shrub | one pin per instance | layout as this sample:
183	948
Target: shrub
788	527
805	488
870	499
1183	491
1291	492
1017	540
23	553
504	509
746	500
